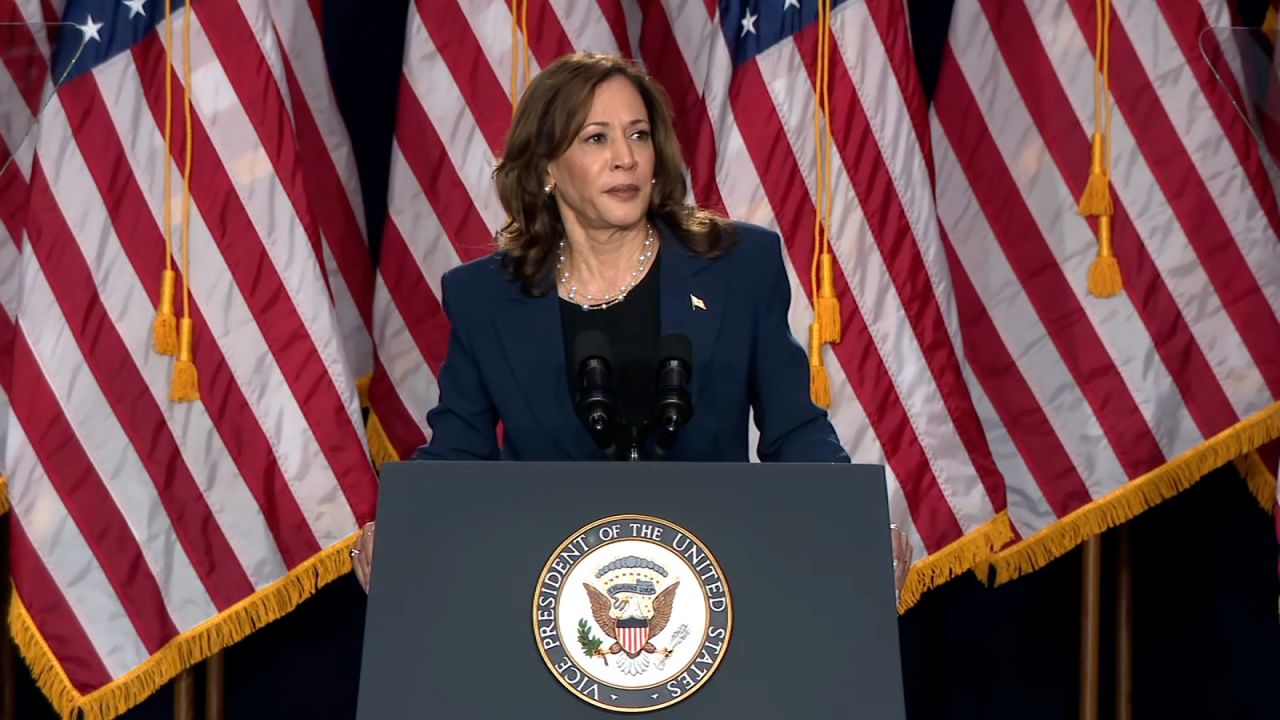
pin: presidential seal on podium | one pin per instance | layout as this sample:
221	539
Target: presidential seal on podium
632	613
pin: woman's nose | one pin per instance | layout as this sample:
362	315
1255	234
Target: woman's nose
624	158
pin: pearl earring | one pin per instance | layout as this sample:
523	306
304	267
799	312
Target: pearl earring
547	188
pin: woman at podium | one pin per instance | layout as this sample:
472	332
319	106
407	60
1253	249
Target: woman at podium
616	321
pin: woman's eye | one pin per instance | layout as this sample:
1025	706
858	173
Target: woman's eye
598	137
641	135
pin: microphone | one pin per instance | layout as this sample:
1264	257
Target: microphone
594	399
675	372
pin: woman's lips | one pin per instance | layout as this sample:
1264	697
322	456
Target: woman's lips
623	192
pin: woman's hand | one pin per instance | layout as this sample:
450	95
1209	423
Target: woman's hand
901	557
362	556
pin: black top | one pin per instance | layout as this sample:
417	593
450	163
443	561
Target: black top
632	328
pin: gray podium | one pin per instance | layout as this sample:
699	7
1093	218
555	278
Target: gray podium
463	550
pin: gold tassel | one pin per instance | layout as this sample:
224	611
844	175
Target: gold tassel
186	382
827	305
1096	199
164	330
819	385
1104	274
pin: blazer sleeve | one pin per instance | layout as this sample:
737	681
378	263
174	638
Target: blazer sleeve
463	422
792	428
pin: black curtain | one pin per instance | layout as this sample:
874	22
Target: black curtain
1205	625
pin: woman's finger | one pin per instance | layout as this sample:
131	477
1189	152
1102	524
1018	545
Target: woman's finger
357	565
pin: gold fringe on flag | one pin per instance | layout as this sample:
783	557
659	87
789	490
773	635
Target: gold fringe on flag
380	448
362	389
968	553
1127	501
4	494
1259	478
184	651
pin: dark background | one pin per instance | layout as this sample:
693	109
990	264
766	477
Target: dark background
1206	629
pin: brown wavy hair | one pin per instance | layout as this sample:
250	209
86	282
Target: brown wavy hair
549	117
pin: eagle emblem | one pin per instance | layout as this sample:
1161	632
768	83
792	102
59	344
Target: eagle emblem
647	606
630	607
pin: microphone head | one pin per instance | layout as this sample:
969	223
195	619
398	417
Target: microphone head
675	346
591	344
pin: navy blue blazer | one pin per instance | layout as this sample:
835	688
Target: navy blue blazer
506	363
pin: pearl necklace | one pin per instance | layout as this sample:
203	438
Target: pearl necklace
591	302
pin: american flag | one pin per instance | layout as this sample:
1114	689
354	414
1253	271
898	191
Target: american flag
27	31
328	168
1098	407
147	533
1266	463
742	79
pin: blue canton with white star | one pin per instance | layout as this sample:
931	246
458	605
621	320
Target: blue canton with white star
753	26
103	29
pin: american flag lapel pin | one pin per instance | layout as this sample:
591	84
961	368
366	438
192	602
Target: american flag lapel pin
696	302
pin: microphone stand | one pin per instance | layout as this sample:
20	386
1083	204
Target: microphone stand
674	401
634	455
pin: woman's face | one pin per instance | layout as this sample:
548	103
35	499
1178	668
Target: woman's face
603	181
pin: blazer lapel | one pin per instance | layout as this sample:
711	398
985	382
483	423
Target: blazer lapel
692	303
534	344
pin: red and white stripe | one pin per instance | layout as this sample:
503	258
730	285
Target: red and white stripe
633	639
24	70
329	172
1079	394
138	520
899	390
